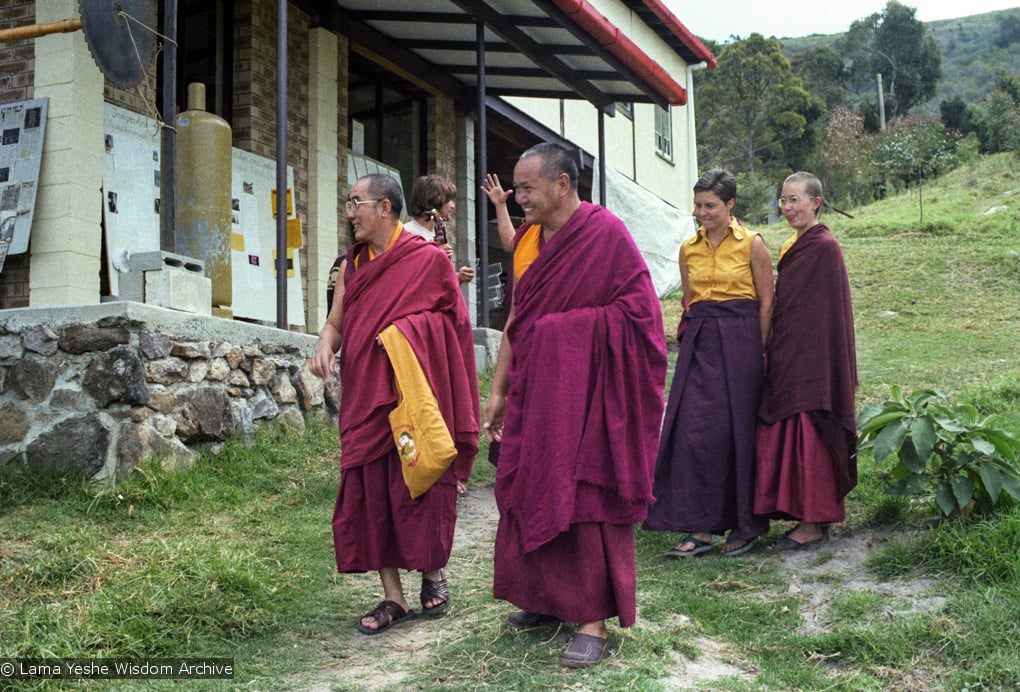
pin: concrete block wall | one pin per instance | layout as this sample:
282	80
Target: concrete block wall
66	242
323	210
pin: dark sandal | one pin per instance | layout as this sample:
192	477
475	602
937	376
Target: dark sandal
740	546
386	615
522	619
700	547
431	590
584	650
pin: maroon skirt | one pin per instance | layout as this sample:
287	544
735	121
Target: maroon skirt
376	524
799	475
704	471
583	575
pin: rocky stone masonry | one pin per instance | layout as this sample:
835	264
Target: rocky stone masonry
98	390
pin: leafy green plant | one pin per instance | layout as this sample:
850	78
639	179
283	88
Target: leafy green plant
968	461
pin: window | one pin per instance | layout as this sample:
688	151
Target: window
388	118
664	133
626	108
204	52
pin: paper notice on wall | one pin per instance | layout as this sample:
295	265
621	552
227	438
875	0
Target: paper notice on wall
254	244
22	128
131	215
131	187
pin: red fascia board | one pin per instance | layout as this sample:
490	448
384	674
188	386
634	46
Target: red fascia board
612	39
682	32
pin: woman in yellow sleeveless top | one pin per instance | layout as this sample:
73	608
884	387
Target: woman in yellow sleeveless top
704	473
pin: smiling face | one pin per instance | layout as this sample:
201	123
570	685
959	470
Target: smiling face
539	197
799	207
710	211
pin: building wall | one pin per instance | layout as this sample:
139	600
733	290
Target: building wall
630	144
17	58
17	71
64	262
255	103
253	127
66	245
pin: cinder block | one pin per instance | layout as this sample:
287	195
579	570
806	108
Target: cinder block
167	280
481	358
131	286
179	289
157	260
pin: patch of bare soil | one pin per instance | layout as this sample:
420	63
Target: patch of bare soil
817	576
839	564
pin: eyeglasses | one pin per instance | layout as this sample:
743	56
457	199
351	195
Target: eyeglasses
783	201
352	204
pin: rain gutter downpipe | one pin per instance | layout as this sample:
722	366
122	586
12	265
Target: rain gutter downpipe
481	166
692	126
281	165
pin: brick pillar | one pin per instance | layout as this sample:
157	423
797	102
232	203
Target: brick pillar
66	235
323	211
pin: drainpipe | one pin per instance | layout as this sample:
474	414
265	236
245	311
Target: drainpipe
602	157
168	173
281	165
692	138
481	166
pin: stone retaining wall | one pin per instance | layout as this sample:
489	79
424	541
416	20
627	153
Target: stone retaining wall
97	389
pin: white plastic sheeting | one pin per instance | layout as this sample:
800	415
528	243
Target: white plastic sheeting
658	227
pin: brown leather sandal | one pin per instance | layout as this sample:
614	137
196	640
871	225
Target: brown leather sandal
386	615
431	590
584	650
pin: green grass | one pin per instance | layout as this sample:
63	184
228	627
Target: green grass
232	557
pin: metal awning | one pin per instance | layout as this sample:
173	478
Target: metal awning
540	48
473	50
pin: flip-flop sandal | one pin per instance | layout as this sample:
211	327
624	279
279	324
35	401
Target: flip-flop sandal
584	650
386	615
431	590
733	540
700	547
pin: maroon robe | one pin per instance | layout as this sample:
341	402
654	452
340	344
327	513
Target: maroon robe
806	464
414	286
582	421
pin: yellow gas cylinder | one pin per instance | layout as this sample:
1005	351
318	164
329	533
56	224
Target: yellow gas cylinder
203	194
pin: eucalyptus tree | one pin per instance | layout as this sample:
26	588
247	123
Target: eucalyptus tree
753	112
899	47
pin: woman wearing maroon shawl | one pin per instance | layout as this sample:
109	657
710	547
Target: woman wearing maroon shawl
704	473
576	403
806	438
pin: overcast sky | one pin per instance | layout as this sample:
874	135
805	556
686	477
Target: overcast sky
718	20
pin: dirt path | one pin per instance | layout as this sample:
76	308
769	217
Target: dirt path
365	663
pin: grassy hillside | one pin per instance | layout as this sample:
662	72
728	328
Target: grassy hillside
970	56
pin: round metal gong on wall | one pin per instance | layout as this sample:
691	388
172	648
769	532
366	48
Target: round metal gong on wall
121	35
